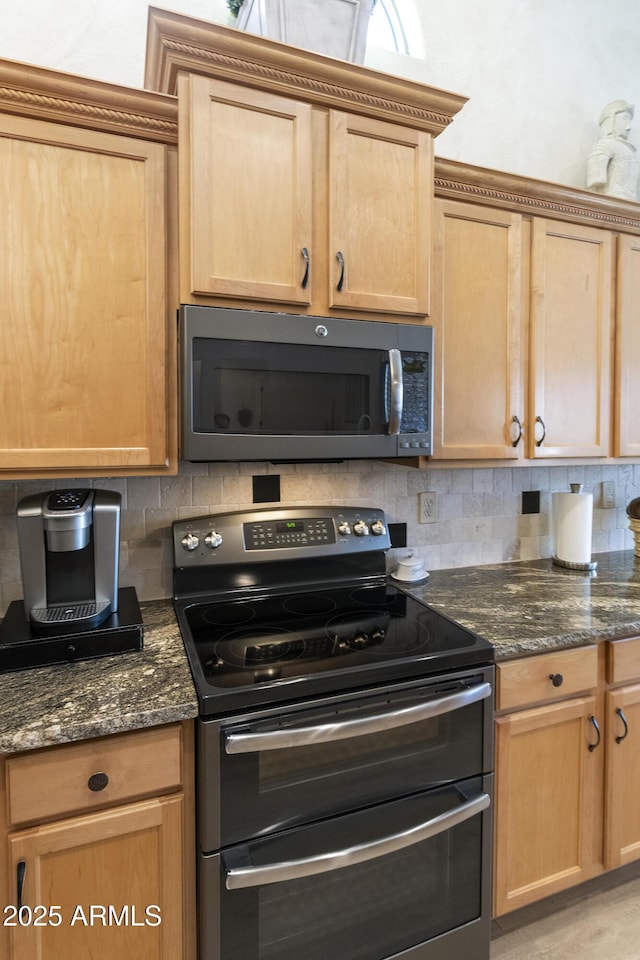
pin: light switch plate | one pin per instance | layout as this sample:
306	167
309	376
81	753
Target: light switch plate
427	507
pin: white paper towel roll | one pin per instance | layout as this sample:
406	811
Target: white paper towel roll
572	520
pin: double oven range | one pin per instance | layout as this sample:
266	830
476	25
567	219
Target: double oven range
344	745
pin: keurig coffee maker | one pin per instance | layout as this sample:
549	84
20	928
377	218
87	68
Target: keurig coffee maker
69	553
73	609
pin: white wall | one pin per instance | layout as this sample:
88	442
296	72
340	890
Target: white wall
537	72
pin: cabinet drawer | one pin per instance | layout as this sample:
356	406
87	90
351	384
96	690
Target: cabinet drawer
623	660
82	776
530	679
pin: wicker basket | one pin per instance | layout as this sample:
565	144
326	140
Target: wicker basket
635	529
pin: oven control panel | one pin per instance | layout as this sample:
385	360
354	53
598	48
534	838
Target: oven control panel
250	535
298	532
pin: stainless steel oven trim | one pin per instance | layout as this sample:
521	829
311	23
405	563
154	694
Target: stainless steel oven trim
241	877
235	743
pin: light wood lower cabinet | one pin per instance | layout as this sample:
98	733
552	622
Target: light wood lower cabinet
89	874
567	769
547	778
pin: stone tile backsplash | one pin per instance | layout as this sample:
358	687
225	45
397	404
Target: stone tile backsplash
479	510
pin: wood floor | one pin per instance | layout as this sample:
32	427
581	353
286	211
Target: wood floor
598	921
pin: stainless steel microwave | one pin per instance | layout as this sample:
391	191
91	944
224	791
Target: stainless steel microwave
273	386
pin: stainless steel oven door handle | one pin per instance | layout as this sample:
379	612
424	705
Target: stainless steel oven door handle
323	733
395	406
241	877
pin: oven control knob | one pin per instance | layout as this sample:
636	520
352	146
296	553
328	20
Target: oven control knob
377	528
344	528
377	635
190	541
360	639
360	528
213	540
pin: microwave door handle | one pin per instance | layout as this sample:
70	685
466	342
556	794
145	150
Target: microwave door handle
395	405
374	723
249	876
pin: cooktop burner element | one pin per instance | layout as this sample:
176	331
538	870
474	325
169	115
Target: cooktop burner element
305	619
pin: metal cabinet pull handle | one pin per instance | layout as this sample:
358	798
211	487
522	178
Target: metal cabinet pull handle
250	876
340	260
544	432
20	872
514	443
375	723
397	391
593	746
305	279
556	679
621	737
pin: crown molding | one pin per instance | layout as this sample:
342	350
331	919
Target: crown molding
43	94
176	44
460	181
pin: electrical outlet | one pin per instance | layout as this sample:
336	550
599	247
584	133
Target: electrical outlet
608	494
427	508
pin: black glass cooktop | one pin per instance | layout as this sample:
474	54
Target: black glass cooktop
281	647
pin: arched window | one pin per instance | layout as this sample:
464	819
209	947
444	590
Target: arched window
392	23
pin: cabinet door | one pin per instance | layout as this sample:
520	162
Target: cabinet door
381	180
571	328
245	192
622	809
477	296
627	389
547	801
112	880
83	338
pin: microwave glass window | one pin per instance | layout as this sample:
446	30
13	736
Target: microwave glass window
261	388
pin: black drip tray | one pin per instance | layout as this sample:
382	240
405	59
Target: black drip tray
21	649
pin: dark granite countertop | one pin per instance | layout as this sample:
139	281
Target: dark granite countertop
531	606
522	608
92	698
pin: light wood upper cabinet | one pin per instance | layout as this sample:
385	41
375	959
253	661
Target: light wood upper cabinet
246	171
627	381
571	331
381	177
86	356
267	217
306	182
478	322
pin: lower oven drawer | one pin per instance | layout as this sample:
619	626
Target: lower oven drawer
266	774
409	877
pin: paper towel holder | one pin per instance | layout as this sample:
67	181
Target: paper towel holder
571	564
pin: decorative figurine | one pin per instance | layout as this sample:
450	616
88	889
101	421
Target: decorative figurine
613	164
